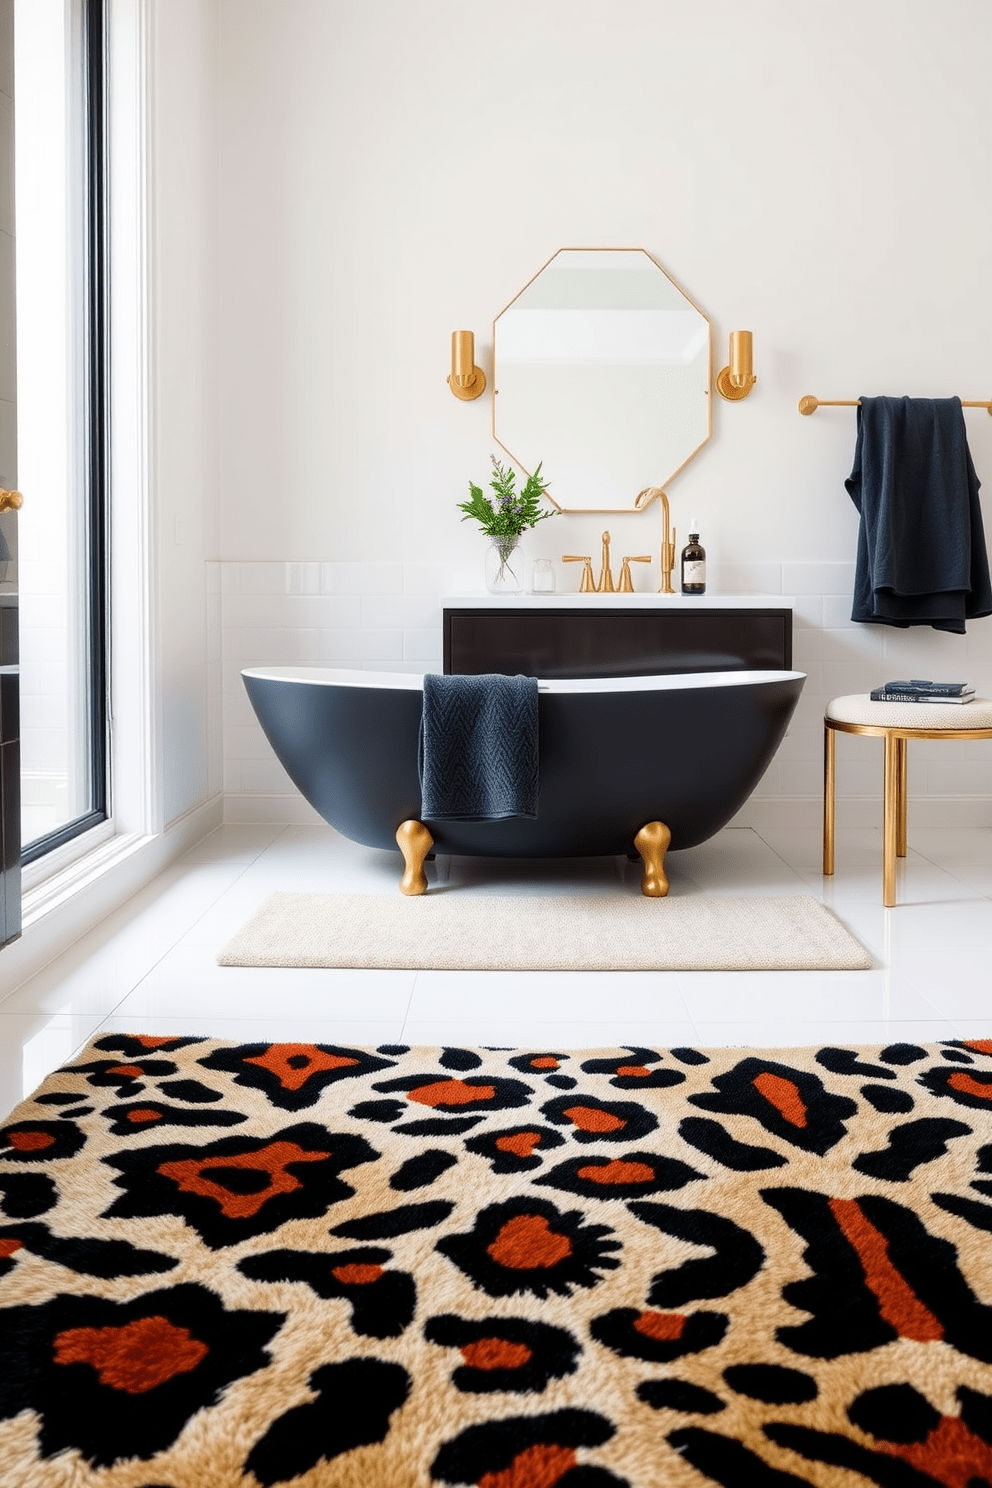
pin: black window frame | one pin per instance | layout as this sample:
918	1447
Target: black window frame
95	421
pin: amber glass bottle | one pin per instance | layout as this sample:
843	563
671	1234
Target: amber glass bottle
693	566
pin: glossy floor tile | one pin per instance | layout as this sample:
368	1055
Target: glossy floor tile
151	967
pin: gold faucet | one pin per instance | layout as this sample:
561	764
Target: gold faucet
644	498
626	584
605	584
667	549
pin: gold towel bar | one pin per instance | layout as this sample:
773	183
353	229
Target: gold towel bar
809	404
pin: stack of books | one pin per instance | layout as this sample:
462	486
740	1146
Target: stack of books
918	690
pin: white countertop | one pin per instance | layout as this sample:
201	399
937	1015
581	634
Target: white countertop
635	601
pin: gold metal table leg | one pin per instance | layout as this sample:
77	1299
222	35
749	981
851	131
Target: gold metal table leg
890	820
652	844
829	796
903	759
414	842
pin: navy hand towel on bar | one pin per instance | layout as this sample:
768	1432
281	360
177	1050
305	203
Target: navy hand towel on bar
478	748
921	558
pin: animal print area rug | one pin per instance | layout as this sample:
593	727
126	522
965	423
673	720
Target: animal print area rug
331	1267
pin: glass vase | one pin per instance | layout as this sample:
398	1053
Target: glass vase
505	565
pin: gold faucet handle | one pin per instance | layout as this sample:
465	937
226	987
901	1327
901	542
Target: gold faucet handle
626	585
587	586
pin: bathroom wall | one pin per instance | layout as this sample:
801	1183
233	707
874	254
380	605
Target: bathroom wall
186	356
389	172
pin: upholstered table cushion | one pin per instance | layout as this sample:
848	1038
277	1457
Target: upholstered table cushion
859	708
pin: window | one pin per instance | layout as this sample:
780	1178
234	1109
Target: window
62	424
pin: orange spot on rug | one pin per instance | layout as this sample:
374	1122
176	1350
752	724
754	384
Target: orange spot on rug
451	1093
897	1302
783	1095
356	1275
30	1141
135	1358
190	1176
617	1172
951	1454
496	1353
527	1242
537	1467
969	1086
587	1118
665	1327
521	1144
293	1064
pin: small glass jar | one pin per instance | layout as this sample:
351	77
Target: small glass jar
542	579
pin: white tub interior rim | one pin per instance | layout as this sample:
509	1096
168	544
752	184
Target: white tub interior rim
414	681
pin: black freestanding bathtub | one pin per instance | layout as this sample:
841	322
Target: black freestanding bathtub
616	754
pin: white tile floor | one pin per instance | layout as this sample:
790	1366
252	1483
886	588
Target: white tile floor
150	967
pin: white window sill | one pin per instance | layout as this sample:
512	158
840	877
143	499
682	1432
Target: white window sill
33	875
69	870
64	903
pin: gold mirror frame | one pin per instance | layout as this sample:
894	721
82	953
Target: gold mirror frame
651	480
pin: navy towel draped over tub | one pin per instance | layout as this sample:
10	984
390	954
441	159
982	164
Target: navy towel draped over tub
922	558
478	748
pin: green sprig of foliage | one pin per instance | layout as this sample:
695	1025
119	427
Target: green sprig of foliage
512	512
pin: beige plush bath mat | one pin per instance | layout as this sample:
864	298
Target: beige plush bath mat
255	1265
457	932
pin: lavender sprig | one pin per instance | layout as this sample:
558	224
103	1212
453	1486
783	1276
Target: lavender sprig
514	512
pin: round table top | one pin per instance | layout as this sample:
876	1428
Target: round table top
858	710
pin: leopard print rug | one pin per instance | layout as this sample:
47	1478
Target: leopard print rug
234	1264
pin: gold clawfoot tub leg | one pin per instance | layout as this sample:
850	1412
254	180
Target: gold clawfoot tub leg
652	844
414	842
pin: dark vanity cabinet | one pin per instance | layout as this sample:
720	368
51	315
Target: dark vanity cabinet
574	641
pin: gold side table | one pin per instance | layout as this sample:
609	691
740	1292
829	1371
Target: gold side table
896	723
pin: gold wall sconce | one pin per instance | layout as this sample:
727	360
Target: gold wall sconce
737	379
467	381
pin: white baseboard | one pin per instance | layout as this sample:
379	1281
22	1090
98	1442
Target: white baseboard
63	908
773	812
274	810
806	812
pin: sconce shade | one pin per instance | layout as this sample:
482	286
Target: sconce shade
737	379
741	368
467	381
463	358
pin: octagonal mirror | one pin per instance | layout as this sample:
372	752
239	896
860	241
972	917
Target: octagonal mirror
602	375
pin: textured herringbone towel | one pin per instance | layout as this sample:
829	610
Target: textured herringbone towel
478	748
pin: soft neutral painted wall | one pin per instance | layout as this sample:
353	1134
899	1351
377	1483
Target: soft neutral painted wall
8	359
390	172
185	352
